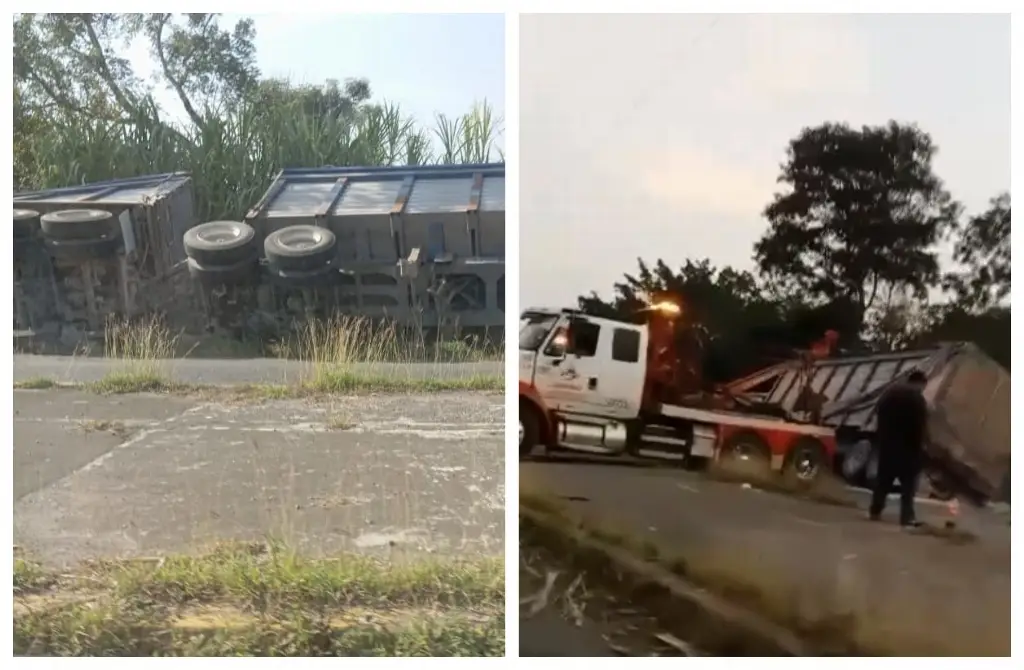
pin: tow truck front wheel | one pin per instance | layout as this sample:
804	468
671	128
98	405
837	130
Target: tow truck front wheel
746	452
529	430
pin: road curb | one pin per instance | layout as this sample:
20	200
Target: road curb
758	633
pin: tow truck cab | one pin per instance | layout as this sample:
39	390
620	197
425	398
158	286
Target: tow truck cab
581	379
599	385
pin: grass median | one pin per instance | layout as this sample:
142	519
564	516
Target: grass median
261	600
337	356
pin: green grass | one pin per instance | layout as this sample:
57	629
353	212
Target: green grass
36	384
262	600
118	383
28	576
336	381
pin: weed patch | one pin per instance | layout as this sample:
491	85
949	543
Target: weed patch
262	600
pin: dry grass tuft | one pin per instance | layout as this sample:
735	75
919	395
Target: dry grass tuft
343	355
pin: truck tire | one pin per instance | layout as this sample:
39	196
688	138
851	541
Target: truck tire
220	243
300	248
26	223
83	250
746	449
239	274
805	460
529	429
79	224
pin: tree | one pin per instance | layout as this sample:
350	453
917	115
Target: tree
83	114
726	316
983	251
863	210
333	99
69	64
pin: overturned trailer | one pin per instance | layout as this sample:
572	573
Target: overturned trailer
969	429
85	253
424	246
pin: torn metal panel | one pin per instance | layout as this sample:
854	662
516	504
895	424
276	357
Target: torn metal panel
969	394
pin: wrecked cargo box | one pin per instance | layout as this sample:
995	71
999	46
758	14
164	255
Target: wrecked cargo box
969	430
424	246
85	253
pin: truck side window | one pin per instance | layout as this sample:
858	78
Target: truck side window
584	339
626	345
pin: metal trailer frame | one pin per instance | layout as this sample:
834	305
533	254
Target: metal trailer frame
424	245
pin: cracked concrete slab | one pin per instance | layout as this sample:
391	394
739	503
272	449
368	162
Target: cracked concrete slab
367	473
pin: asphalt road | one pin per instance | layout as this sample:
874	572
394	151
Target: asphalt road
83	369
822	560
114	476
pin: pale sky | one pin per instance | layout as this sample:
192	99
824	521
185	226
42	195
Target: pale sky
661	136
427	63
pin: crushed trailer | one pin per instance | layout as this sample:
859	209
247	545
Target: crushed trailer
85	253
969	394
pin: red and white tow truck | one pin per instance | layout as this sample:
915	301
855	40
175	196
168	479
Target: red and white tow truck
619	388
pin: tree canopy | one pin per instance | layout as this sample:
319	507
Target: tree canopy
851	244
83	111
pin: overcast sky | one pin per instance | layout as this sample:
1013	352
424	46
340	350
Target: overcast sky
661	136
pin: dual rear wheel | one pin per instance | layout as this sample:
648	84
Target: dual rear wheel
805	460
227	253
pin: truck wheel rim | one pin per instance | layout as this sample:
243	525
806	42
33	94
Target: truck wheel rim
743	451
805	467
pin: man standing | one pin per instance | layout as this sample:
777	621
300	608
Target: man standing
902	429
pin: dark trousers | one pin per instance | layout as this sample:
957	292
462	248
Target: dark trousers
896	464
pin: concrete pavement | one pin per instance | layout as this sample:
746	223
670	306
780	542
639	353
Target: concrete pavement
81	369
105	476
821	560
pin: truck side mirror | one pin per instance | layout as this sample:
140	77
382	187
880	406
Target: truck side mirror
558	346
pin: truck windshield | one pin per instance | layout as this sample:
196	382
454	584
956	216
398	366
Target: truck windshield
533	329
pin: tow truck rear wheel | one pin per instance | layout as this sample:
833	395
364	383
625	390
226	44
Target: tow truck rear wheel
529	429
805	460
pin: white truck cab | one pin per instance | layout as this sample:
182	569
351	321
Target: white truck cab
599	373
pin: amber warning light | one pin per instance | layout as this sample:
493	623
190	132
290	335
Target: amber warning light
666	308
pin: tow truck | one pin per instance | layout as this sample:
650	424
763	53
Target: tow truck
620	388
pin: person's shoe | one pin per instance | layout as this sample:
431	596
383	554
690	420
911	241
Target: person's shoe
911	524
872	516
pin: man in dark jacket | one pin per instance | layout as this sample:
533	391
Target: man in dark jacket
902	430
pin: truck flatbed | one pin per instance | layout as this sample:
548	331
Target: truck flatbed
729	418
